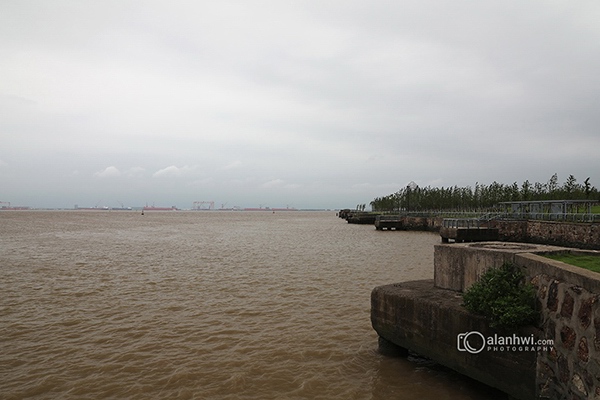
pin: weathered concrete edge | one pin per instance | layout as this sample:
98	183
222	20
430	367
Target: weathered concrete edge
427	320
458	266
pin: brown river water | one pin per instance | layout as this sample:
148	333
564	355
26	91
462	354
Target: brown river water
205	305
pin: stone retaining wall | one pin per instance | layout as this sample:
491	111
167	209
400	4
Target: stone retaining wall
570	311
568	298
579	235
422	223
570	234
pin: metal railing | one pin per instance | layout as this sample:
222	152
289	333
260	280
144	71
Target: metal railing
566	217
491	216
461	223
390	217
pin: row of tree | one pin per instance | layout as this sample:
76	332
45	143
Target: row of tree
482	197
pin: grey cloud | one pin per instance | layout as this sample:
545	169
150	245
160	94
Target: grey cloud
327	104
108	172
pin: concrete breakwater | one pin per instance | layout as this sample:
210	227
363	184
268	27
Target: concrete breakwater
558	358
402	222
427	320
559	233
358	217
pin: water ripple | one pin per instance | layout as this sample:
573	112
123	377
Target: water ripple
202	305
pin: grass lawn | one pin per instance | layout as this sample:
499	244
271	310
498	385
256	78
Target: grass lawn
590	262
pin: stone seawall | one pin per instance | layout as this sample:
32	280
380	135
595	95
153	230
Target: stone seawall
558	233
568	299
569	234
432	224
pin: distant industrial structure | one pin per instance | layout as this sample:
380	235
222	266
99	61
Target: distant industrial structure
201	205
9	207
204	205
154	208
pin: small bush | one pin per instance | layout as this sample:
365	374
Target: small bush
502	296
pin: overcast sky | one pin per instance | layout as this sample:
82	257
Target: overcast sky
306	104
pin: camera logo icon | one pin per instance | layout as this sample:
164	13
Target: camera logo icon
472	342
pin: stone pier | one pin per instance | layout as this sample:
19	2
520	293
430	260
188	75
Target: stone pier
427	317
418	317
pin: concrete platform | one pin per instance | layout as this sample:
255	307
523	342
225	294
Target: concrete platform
427	317
459	265
389	223
427	320
461	235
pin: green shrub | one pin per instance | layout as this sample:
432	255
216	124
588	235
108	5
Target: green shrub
502	296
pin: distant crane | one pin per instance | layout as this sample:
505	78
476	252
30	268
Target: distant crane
199	205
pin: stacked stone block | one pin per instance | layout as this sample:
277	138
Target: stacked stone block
570	316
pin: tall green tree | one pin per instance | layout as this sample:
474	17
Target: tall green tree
483	197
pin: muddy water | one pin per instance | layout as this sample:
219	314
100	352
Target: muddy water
205	305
